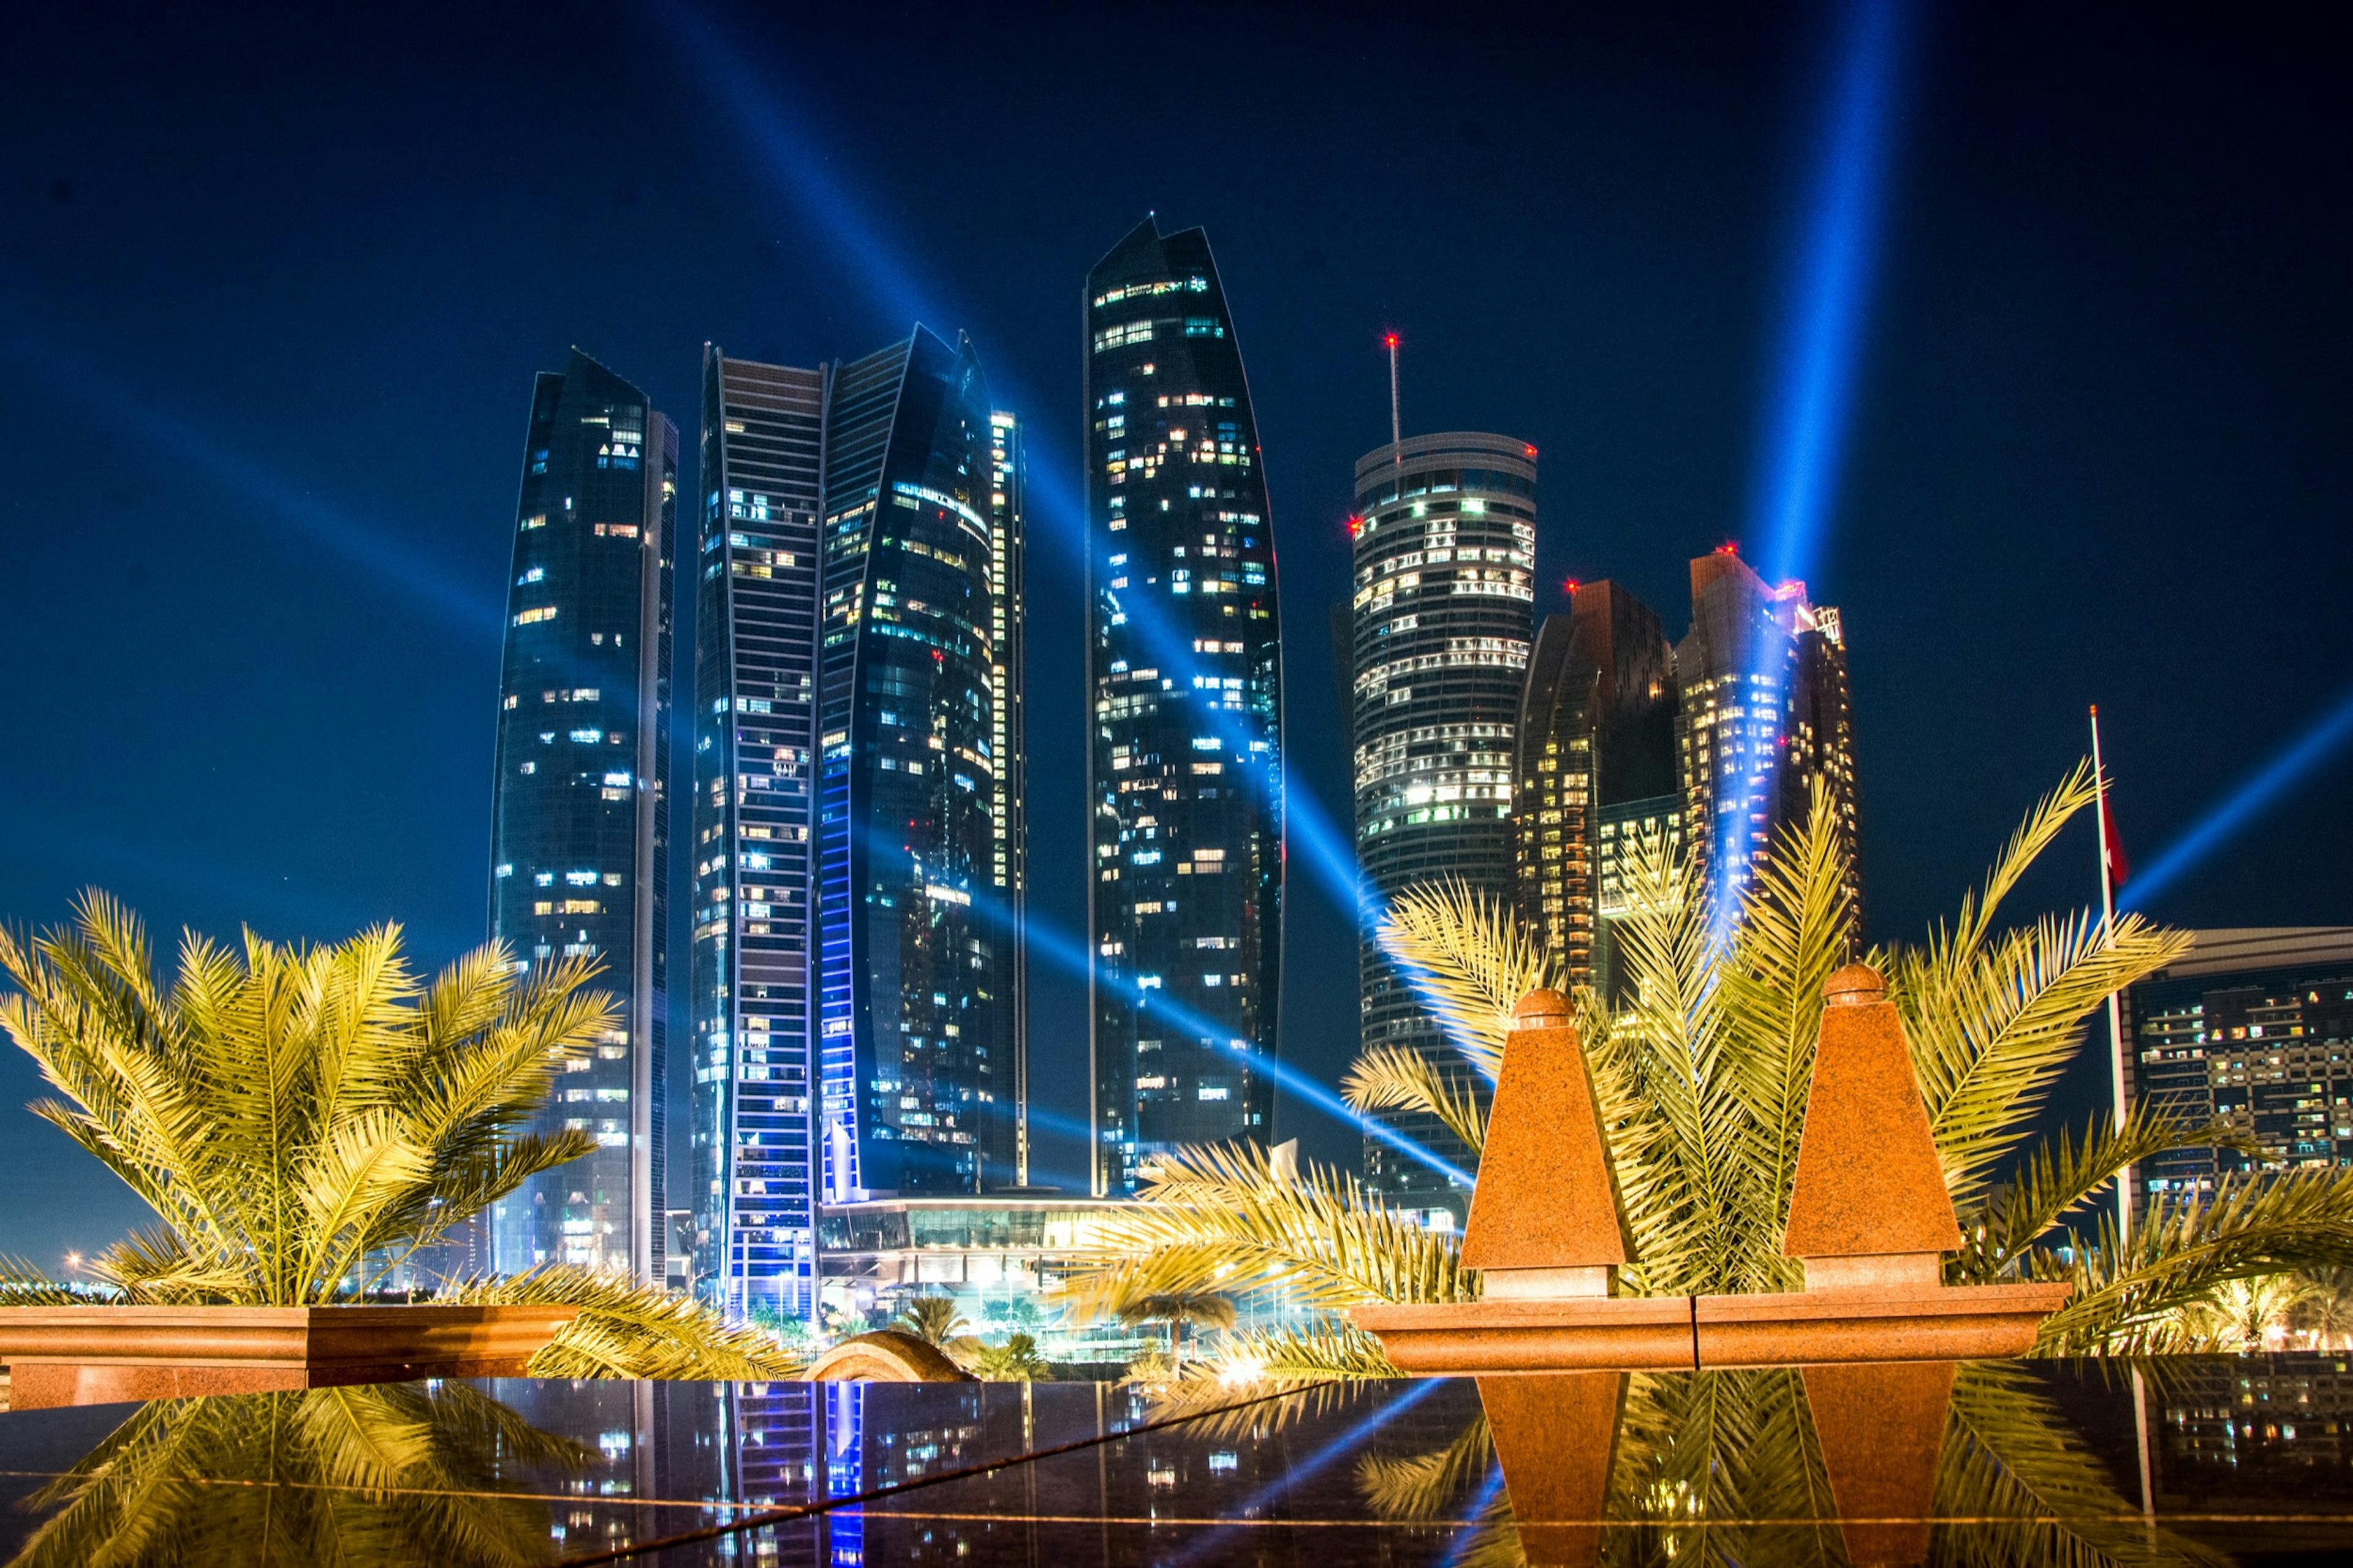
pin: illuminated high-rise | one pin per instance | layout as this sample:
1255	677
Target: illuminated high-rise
1445	529
854	944
1762	714
1185	700
1595	771
1008	1155
579	832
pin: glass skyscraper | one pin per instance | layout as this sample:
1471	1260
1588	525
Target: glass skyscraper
1445	532
1185	697
1596	766
1009	743
857	858
1762	711
579	835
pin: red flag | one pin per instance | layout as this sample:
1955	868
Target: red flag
2111	843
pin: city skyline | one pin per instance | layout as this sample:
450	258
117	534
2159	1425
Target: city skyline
273	455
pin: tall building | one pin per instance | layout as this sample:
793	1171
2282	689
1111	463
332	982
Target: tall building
1445	531
579	833
1762	712
1008	743
755	929
854	952
1594	772
2254	1027
1184	769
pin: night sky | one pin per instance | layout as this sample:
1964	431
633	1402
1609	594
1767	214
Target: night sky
273	288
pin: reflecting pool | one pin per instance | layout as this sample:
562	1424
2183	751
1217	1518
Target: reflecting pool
2168	1461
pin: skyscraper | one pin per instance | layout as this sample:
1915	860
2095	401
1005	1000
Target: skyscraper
754	925
911	972
1009	743
1445	531
855	849
1185	697
1762	712
1595	770
579	833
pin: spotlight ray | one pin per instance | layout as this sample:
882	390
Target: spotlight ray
364	544
1070	954
1828	291
2240	808
1212	1546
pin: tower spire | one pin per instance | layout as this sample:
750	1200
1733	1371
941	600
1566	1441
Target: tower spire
1396	436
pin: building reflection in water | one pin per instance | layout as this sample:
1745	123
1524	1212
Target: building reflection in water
2010	1462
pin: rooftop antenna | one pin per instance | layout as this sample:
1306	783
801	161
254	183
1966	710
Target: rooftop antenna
1396	437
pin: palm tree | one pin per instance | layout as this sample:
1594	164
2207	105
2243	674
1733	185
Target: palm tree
375	1476
1181	1309
2326	1311
302	1119
2237	1317
934	1319
1702	1076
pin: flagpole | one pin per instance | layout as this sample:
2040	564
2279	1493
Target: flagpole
2116	1014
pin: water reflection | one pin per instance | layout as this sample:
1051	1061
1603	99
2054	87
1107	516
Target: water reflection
2006	1463
1895	1464
403	1473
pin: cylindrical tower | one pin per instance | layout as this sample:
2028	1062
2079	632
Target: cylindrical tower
1445	558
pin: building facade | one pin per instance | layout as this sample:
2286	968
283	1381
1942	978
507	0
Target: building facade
1009	743
1445	587
857	853
1763	713
1185	698
754	937
579	835
2254	1026
1594	770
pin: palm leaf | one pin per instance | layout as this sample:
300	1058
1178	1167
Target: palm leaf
1398	1077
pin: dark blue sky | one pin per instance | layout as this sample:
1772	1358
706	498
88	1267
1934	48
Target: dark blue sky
273	287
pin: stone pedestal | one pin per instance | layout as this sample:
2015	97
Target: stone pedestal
1870	1220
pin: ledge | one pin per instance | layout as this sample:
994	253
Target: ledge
1571	1334
100	1354
1953	1322
1687	1333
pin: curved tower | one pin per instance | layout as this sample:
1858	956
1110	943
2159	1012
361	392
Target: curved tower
580	815
912	970
856	860
1185	697
1445	556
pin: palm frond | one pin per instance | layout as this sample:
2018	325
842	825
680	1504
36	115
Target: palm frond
631	1330
2064	1176
1222	1219
1398	1077
2128	1296
1425	1485
1470	959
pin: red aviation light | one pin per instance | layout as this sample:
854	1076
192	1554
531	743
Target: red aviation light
1355	525
1531	450
1569	586
1727	548
1390	340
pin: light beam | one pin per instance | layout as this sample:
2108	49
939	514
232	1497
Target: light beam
2243	805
